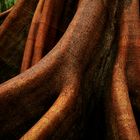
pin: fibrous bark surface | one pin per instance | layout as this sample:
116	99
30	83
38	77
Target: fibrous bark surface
73	70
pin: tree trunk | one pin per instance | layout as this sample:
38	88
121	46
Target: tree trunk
69	70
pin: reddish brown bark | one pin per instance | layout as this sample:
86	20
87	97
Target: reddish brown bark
81	86
123	121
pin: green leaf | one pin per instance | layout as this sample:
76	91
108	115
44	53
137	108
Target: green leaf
6	4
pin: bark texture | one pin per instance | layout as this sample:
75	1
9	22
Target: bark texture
70	70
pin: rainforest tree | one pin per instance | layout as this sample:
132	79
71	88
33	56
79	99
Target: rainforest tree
70	70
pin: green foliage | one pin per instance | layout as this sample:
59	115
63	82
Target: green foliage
6	4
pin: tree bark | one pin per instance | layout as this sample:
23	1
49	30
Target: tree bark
76	77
